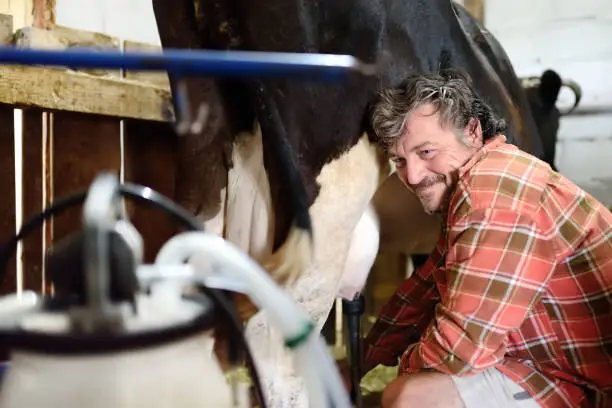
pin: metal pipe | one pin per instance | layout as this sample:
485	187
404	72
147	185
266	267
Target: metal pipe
301	66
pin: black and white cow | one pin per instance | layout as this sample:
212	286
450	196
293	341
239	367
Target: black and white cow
279	159
533	96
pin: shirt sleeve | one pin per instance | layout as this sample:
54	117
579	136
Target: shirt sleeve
403	319
497	267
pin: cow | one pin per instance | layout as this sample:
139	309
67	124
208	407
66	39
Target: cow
399	234
286	170
535	96
542	93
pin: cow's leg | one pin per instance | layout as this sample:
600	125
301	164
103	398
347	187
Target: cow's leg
248	212
347	186
245	215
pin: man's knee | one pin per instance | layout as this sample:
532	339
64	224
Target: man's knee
425	389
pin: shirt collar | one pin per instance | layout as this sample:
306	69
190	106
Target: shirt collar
489	145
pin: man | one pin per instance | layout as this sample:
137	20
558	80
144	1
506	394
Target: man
513	307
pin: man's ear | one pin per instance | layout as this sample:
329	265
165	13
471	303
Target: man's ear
473	133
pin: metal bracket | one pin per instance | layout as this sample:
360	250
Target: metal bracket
101	211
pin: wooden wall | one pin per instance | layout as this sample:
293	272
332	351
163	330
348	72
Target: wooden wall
73	126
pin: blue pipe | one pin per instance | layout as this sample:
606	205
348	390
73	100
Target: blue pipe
301	66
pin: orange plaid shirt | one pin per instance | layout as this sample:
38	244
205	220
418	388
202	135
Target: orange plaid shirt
521	280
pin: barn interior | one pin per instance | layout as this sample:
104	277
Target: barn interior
63	127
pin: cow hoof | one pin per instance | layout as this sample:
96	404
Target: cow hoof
290	261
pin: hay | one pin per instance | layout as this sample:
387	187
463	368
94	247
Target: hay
376	380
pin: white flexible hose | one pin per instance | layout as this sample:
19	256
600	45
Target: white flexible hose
315	364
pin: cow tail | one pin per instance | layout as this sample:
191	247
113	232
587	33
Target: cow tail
294	255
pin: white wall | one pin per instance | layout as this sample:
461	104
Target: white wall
573	38
135	20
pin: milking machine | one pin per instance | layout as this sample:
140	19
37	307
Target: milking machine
117	332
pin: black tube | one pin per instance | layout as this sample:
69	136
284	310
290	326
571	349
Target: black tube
353	310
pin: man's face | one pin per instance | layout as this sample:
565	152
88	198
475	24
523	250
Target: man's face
428	156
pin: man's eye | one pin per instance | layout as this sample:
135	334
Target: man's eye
426	152
398	161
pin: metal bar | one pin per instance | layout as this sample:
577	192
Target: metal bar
301	66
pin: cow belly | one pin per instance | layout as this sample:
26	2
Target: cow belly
347	186
361	255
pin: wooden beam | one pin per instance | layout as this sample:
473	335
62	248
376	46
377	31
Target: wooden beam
6	29
61	38
100	92
150	77
43	14
57	89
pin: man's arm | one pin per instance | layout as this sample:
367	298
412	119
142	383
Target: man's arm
498	266
403	319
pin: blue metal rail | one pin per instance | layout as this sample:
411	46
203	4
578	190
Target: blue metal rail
180	62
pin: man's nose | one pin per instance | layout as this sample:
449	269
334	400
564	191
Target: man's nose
413	172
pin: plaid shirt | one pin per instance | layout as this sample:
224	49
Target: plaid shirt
521	280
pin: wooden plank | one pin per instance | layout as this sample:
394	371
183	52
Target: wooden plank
36	175
7	199
61	38
32	196
55	89
100	92
43	14
6	28
150	154
7	168
47	163
83	146
157	78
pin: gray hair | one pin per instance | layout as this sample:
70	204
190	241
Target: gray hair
450	92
